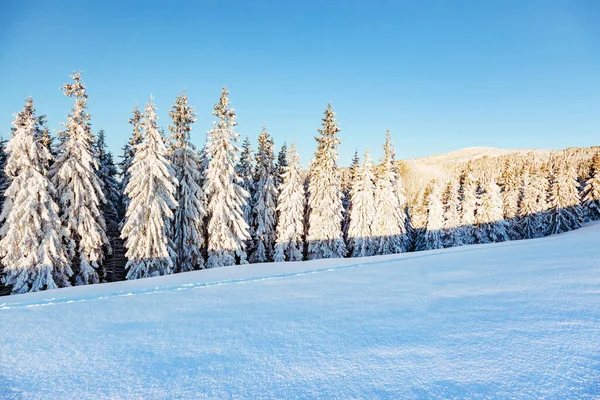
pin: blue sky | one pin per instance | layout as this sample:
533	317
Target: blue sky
442	74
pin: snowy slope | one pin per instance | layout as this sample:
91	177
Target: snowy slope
509	320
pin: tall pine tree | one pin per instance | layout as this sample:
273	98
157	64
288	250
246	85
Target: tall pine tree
79	190
263	204
291	204
591	192
388	226
451	234
32	244
435	218
227	229
362	211
565	212
325	238
151	189
188	223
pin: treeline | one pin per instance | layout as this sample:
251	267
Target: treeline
71	217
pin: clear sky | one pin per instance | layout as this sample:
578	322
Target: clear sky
442	74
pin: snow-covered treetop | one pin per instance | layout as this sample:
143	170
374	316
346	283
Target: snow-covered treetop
78	117
225	115
183	117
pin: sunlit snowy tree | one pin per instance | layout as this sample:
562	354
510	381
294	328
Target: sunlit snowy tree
280	165
227	229
32	244
291	204
151	189
565	212
128	152
388	225
451	234
325	238
533	204
362	211
591	192
264	201
188	222
492	226
468	195
79	190
511	196
435	218
245	171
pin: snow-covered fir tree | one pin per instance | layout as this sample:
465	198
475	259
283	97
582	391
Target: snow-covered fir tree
227	229
511	196
418	212
451	234
280	165
291	204
150	189
354	166
32	244
325	237
45	139
435	218
591	192
264	201
361	242
388	226
565	212
492	226
128	152
468	195
107	172
533	205
79	190
3	177
245	171
188	222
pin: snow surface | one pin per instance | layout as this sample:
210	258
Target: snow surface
507	320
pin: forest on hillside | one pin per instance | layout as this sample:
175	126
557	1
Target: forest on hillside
72	215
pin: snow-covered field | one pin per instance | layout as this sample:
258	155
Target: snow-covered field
510	320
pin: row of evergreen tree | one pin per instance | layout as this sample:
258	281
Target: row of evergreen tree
70	218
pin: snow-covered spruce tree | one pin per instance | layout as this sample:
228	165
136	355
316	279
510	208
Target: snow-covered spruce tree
346	189
452	225
107	172
591	192
128	152
264	202
419	219
32	244
291	204
362	211
280	165
150	189
468	195
79	190
3	177
227	229
435	218
533	205
245	171
492	226
188	222
403	209
565	212
389	232
325	237
511	196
